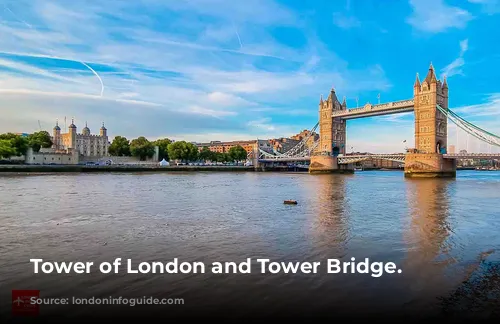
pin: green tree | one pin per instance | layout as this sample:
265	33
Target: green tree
237	153
220	157
162	148
142	148
183	151
39	139
6	148
206	155
119	147
17	142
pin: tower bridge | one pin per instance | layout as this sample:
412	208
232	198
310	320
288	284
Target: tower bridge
429	158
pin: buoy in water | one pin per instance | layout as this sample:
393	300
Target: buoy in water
290	202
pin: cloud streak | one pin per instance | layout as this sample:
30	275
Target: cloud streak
183	61
455	67
435	16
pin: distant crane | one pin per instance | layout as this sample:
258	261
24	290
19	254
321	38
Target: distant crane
39	125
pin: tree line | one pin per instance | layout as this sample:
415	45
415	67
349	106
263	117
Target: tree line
16	145
167	149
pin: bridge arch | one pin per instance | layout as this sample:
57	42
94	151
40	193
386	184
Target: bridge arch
440	148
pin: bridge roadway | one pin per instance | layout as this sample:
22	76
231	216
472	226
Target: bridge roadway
346	159
370	110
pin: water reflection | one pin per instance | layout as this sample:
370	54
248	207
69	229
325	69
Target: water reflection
331	217
428	237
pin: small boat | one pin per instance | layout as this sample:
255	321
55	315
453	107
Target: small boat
290	202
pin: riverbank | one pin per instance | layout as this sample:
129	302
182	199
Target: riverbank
137	168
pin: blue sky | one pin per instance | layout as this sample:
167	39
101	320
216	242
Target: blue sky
204	70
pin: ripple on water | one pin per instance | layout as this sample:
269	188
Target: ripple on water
433	230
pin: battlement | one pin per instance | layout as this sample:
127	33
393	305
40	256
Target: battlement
90	135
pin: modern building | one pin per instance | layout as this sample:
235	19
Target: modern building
85	143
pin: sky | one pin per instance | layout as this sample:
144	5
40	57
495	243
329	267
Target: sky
204	70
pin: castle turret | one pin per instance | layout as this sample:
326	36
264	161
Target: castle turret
72	134
56	134
86	130
103	131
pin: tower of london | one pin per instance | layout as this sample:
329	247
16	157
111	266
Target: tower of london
86	144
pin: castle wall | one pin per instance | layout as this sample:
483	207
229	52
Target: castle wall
50	157
87	145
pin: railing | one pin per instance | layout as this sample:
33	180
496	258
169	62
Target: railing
374	108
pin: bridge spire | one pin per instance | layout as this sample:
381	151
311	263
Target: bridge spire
431	75
417	82
332	97
321	99
445	84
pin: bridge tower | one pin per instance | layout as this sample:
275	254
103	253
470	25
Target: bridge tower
332	136
431	130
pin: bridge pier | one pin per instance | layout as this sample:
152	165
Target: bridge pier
429	165
327	164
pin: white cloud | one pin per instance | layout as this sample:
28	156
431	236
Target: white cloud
464	46
436	16
487	109
264	123
455	67
210	112
225	99
490	7
345	21
189	76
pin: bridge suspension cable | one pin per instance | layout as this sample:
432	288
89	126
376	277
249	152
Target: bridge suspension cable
470	128
302	148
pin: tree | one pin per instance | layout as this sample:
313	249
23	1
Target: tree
119	147
220	157
183	151
237	153
206	155
162	148
17	142
142	148
6	148
39	139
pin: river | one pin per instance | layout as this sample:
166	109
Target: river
442	234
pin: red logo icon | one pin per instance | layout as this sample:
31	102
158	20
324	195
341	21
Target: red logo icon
22	304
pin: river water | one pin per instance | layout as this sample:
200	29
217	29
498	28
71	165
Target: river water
442	234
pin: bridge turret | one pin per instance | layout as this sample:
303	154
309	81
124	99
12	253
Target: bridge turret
332	97
344	104
431	79
416	86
